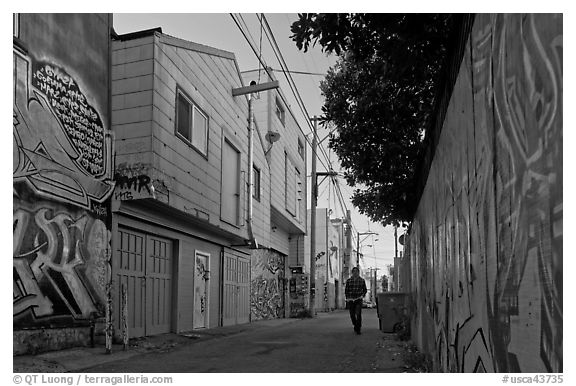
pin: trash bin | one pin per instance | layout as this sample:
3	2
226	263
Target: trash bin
392	309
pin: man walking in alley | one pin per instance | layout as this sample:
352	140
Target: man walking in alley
354	292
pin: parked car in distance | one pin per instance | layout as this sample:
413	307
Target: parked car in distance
368	304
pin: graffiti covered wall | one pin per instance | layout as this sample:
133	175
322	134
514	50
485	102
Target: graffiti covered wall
62	180
267	285
486	242
60	262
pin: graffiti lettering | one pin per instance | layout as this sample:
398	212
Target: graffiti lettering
123	196
61	264
134	183
99	210
81	122
59	142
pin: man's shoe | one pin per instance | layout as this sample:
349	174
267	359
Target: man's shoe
358	332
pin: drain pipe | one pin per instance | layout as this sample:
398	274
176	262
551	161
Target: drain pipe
251	90
253	241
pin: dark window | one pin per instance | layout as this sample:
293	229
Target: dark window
256	180
280	113
301	148
191	123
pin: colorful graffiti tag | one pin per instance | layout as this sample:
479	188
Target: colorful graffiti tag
486	242
267	292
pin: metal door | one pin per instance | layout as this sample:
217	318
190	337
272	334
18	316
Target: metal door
236	299
144	266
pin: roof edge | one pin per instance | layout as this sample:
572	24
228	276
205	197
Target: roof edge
138	34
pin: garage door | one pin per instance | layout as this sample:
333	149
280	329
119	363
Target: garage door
144	266
236	307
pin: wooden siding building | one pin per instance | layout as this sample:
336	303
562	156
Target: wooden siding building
180	201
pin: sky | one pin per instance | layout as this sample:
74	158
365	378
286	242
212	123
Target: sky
219	30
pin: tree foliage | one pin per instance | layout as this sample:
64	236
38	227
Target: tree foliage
379	95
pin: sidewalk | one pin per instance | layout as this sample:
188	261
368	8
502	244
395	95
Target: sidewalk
79	358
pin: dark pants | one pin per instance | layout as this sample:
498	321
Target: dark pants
355	308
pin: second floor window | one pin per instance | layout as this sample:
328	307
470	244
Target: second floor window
256	192
301	148
191	123
280	113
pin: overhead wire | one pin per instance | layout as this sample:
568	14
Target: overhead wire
275	48
266	68
291	83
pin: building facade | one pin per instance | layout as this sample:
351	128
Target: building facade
280	275
62	179
180	203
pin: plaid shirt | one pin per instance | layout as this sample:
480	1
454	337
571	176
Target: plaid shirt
355	288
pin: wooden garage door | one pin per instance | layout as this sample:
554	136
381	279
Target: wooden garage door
236	307
144	266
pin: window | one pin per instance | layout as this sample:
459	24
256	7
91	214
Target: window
191	123
280	113
16	25
230	194
289	186
301	148
256	181
299	195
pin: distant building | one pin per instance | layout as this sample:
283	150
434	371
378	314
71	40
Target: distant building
330	244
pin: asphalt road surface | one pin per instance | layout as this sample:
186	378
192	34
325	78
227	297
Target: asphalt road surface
326	343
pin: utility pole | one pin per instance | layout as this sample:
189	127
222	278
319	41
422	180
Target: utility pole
358	234
395	241
375	282
314	203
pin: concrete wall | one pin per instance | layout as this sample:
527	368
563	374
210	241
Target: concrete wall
486	242
61	178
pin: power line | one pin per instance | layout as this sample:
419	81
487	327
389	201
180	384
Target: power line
289	78
294	89
265	66
299	72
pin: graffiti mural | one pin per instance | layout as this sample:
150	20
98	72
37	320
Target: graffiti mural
60	147
61	264
267	285
486	242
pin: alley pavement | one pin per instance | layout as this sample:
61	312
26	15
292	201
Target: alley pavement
326	343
